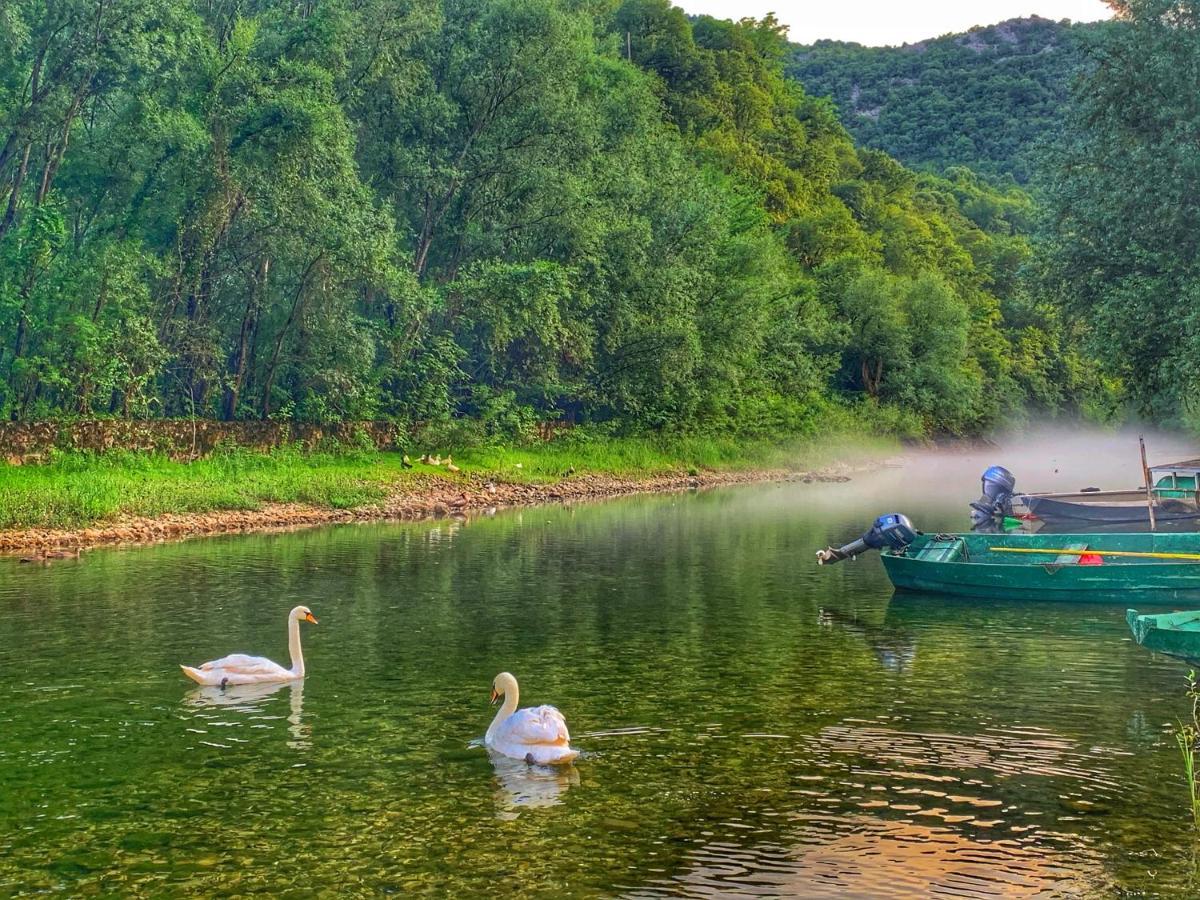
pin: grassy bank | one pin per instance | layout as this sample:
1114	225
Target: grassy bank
74	490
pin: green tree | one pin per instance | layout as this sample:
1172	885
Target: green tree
943	382
880	341
1122	226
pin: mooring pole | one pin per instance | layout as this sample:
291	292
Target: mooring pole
1149	489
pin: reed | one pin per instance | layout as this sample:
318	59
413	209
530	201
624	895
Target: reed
1186	738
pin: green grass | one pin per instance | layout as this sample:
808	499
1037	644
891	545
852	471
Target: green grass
73	490
633	457
76	489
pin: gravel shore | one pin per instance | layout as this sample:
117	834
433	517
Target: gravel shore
421	497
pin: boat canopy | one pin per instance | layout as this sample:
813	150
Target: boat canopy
1190	467
1178	480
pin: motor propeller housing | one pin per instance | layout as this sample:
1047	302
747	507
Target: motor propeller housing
894	531
996	502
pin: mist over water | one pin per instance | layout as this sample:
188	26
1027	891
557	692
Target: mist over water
1058	459
750	723
944	480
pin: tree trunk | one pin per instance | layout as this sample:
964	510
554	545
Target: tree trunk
249	320
297	307
14	199
54	157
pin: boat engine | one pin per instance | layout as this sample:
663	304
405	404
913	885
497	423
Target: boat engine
894	531
996	502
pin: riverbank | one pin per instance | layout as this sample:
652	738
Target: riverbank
82	501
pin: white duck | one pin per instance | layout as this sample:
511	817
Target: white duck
537	734
238	668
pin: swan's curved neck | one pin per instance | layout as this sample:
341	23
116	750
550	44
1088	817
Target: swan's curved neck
294	647
507	708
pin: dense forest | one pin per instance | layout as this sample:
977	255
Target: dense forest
491	211
984	99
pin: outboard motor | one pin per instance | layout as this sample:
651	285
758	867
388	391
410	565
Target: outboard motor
996	502
894	531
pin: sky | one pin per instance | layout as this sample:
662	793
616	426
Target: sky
880	22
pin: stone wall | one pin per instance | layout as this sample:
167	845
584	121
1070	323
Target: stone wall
22	442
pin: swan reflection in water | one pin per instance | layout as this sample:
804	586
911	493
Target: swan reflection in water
251	699
521	786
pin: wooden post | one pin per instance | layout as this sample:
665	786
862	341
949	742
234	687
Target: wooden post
1149	488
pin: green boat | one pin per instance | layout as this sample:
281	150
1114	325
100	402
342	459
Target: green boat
1099	568
1175	634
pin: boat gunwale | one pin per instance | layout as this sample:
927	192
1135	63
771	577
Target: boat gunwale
1060	542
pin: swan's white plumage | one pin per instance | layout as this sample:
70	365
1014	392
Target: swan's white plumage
240	668
537	725
537	734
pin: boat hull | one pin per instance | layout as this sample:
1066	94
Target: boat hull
1052	509
1175	634
1066	584
984	570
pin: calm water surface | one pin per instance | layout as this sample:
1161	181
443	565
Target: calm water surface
750	724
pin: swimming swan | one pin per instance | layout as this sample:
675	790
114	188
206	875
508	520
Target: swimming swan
238	668
537	735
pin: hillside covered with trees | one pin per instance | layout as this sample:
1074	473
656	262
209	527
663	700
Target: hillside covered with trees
984	99
487	211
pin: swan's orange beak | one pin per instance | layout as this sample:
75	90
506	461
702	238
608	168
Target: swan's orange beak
495	697
309	617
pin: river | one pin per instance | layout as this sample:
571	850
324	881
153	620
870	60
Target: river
749	722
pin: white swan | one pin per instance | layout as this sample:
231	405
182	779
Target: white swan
537	734
238	668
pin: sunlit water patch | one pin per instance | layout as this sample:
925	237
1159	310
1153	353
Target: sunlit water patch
749	723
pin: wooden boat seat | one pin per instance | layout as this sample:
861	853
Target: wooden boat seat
1067	559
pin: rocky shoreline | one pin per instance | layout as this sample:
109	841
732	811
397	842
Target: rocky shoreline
418	498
